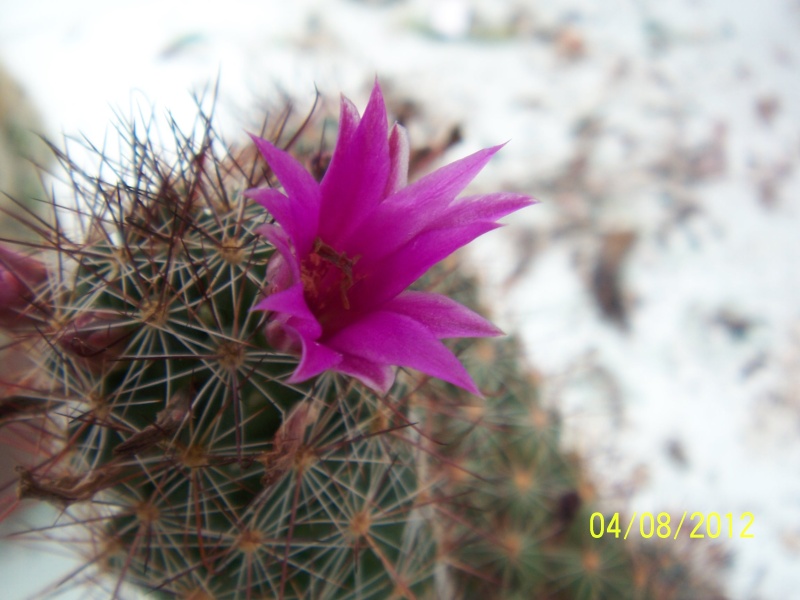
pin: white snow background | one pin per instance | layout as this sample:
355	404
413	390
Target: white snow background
678	121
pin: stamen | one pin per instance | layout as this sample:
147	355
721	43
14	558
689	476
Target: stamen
324	272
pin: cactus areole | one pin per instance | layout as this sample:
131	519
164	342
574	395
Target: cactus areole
349	246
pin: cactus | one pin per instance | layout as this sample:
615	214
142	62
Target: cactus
187	457
192	463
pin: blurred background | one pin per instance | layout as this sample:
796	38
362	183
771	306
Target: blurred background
656	287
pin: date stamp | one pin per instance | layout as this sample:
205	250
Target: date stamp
700	525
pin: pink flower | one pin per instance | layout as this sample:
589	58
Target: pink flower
349	246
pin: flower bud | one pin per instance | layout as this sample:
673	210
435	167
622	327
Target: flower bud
95	338
20	276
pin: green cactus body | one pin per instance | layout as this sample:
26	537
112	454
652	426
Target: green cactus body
191	469
204	473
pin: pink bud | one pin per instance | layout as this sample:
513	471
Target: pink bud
20	276
95	338
291	433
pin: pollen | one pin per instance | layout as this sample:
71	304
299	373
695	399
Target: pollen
327	276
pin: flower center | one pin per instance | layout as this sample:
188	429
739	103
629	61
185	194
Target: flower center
327	276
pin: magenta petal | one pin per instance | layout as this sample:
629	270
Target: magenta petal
315	359
348	124
289	301
397	271
289	214
485	207
399	152
376	376
414	208
356	178
279	239
388	338
280	274
300	186
438	189
445	317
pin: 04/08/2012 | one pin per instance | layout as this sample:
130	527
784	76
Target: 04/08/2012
711	525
